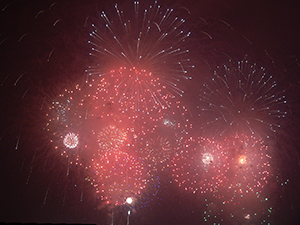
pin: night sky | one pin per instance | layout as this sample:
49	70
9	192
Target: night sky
44	49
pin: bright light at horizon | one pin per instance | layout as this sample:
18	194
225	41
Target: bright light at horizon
129	200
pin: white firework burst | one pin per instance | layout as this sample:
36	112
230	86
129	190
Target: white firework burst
241	98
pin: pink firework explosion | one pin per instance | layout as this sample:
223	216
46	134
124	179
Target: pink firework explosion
156	150
234	168
201	166
117	175
111	138
133	90
250	166
108	109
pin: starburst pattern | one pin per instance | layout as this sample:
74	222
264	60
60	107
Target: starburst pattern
111	139
71	140
241	98
149	48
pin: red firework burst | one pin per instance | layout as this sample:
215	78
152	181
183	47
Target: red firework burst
117	175
201	166
250	166
133	90
111	138
232	169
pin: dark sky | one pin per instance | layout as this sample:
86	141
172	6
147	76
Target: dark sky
37	58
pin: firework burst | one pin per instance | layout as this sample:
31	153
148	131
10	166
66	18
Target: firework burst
241	98
117	175
111	139
201	166
156	150
232	169
149	48
250	165
133	90
66	122
71	140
